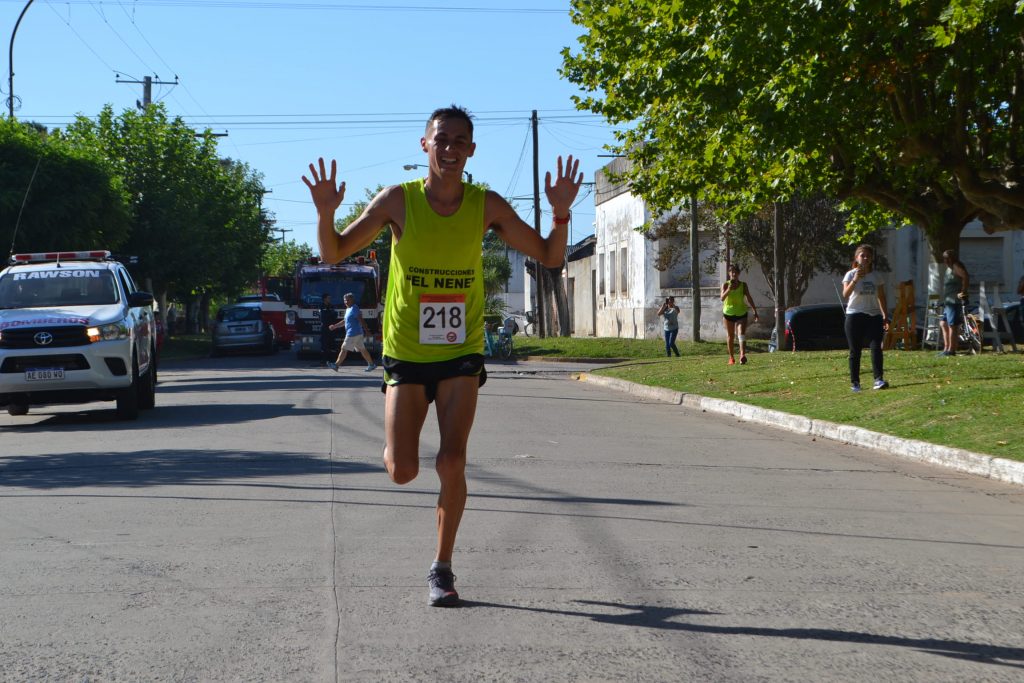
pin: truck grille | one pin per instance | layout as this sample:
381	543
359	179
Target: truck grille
28	337
18	364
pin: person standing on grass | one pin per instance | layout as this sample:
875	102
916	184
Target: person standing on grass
355	332
434	313
954	291
671	325
866	315
735	302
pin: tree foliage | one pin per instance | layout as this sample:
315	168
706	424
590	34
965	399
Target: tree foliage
74	201
196	222
279	258
911	111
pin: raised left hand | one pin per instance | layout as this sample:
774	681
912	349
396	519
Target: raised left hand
567	183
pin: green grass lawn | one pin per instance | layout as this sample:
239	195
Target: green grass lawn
971	402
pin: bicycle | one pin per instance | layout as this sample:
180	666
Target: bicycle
970	330
497	341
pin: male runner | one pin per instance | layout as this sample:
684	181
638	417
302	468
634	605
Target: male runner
433	314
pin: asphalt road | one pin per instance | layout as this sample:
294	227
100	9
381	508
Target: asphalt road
245	530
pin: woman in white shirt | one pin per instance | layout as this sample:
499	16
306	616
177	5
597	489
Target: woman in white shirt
866	315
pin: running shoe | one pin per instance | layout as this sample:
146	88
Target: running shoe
743	360
732	361
371	367
855	387
332	366
442	588
880	384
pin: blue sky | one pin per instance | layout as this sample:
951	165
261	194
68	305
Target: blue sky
291	81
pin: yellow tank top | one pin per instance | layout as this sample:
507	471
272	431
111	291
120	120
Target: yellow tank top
434	307
735	303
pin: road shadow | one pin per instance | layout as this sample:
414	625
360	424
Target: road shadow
666	618
99	418
164	467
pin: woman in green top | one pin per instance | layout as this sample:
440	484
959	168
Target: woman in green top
735	300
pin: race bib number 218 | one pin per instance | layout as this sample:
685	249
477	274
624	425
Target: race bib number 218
442	318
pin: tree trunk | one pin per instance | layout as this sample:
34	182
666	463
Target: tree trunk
553	285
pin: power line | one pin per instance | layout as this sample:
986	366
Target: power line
329	6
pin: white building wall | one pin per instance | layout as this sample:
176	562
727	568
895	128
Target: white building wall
622	313
515	295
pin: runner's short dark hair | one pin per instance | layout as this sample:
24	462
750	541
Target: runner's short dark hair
452	112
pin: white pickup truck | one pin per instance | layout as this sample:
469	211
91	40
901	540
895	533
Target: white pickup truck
74	328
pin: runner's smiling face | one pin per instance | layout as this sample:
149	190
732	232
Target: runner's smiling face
448	144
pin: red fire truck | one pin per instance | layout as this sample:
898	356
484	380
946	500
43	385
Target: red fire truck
359	276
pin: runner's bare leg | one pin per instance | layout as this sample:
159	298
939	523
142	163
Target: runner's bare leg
456	407
405	409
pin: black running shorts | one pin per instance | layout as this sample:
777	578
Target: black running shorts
431	374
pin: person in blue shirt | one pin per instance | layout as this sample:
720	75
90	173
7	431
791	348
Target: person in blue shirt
355	331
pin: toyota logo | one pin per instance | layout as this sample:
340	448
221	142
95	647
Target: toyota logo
43	338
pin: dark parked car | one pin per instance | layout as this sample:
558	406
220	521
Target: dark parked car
815	327
241	327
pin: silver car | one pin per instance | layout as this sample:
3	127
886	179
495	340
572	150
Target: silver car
241	327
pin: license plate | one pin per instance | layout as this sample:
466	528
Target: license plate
241	329
36	374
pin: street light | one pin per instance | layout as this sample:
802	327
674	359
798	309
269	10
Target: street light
410	167
10	62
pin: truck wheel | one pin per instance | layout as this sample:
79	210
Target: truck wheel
128	398
17	409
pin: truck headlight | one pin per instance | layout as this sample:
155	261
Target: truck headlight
108	332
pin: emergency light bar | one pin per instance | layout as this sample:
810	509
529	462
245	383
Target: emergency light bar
50	256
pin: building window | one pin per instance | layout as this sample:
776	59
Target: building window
600	270
623	271
611	271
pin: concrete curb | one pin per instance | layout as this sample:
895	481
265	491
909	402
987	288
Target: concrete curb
1001	469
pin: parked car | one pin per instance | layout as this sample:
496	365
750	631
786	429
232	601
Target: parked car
240	327
814	327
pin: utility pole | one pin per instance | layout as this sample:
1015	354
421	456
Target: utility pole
147	89
541	300
10	62
542	313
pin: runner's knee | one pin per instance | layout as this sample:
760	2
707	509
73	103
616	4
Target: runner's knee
402	470
451	462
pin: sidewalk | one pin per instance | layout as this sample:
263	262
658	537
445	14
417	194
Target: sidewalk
1000	469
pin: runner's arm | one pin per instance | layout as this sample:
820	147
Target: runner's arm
506	223
387	207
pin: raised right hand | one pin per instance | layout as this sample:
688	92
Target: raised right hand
326	194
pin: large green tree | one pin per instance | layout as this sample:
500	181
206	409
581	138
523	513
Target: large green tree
908	110
196	222
67	198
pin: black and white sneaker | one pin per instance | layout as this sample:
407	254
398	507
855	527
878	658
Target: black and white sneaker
442	588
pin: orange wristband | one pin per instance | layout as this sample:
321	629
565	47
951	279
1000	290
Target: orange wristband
561	221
